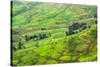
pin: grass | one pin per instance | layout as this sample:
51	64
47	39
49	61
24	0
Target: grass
55	19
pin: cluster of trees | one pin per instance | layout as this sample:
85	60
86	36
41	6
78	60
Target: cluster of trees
19	46
27	38
37	37
72	29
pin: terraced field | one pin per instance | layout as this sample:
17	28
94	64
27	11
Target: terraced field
51	33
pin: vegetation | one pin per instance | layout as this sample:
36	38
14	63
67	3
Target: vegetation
51	33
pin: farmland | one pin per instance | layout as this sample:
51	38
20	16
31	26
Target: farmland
52	33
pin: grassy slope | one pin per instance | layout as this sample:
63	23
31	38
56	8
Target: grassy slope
58	48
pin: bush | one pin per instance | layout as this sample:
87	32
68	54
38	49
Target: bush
65	58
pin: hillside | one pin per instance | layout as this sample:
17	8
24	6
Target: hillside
51	33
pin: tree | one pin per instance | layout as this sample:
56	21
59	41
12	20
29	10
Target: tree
26	38
20	45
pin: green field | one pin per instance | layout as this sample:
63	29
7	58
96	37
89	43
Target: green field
53	33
